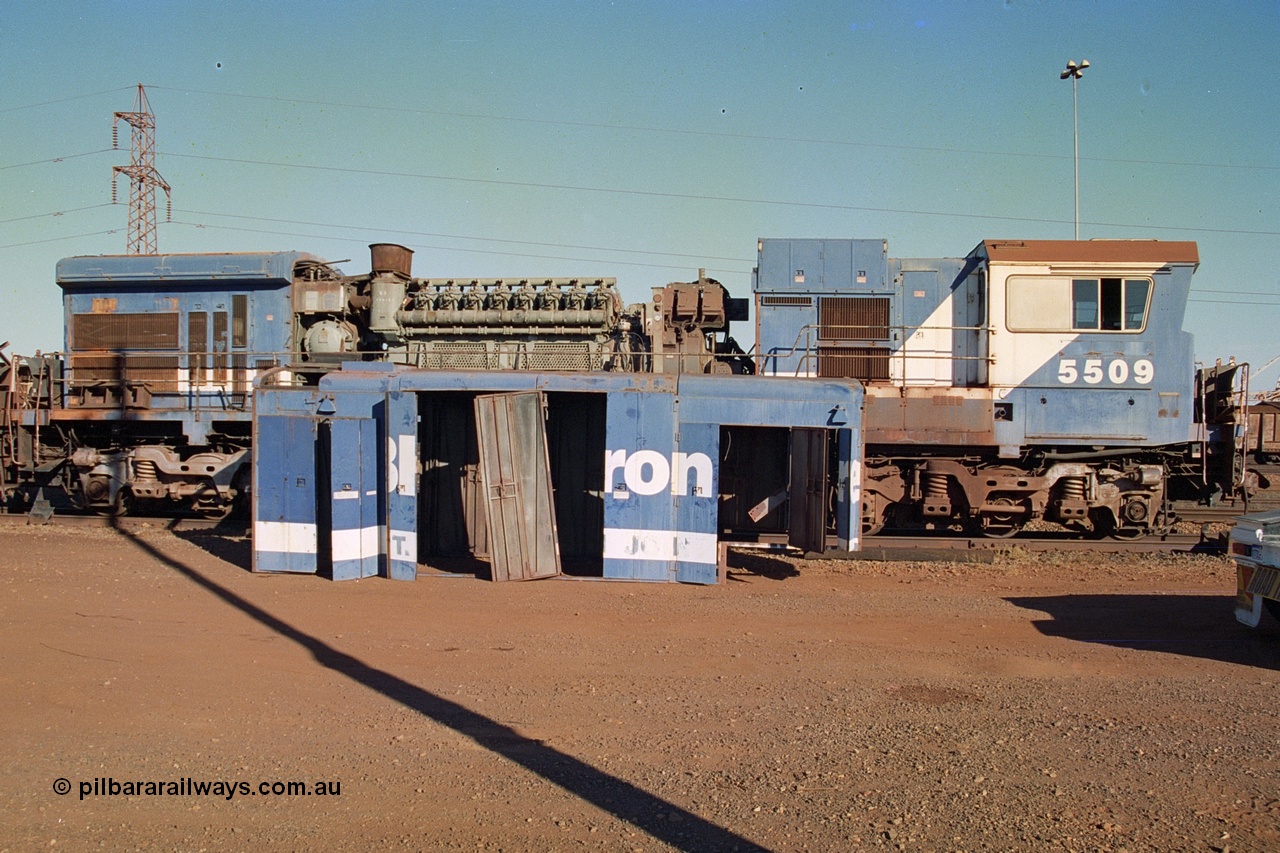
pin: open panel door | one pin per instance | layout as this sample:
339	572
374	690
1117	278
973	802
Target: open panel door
808	529
515	476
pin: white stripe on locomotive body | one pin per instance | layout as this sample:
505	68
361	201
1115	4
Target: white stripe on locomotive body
1017	356
661	545
222	386
284	537
802	374
358	544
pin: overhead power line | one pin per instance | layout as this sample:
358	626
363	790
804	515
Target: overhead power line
1195	296
457	249
433	234
54	213
57	239
695	197
1232	302
1215	292
64	100
711	133
55	159
696	259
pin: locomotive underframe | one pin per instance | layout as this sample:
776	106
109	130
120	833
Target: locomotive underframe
109	467
1122	492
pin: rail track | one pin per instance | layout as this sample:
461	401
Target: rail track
923	546
954	548
221	526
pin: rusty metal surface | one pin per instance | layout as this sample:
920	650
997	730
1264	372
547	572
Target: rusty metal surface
391	257
515	475
1091	251
112	415
926	416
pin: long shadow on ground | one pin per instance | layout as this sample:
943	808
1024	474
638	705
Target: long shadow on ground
647	812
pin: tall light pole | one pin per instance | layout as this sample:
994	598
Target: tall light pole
1074	71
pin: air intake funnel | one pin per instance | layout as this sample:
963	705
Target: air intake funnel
391	257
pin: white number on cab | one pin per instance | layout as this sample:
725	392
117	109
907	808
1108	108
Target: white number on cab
1094	370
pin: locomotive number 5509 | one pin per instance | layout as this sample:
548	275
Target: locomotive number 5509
1093	370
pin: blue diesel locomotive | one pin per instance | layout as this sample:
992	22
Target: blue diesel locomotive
150	406
1028	380
151	401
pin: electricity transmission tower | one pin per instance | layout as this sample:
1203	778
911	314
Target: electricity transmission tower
142	174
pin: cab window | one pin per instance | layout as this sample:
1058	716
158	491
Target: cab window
1109	304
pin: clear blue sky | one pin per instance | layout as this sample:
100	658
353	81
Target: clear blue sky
644	140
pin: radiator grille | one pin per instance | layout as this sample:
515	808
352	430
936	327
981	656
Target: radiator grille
867	364
786	300
158	372
853	318
124	331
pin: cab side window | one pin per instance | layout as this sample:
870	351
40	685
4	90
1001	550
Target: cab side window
1109	304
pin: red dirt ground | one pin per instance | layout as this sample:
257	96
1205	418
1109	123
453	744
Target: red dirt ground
1040	702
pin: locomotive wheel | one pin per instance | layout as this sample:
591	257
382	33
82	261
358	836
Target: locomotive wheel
1000	531
123	505
215	513
1104	523
1001	525
873	515
242	483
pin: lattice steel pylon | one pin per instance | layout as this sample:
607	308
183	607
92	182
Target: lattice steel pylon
143	177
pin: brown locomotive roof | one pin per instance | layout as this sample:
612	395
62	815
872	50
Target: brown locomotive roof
1099	251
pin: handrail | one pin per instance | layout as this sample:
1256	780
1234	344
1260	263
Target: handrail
218	380
811	348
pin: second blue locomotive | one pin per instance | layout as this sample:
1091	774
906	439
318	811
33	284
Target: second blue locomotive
1028	380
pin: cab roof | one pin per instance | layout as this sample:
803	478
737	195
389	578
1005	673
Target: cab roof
1090	251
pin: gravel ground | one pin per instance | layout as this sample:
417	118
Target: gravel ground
1051	701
